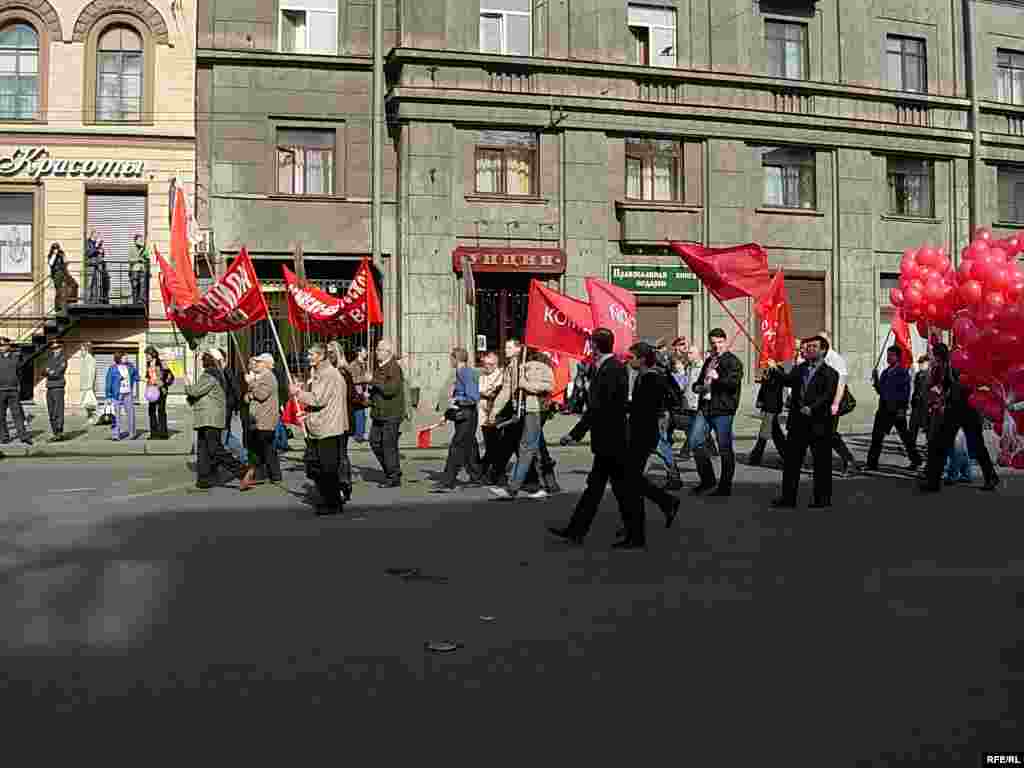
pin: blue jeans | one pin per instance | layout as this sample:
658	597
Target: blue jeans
722	426
664	449
359	431
529	445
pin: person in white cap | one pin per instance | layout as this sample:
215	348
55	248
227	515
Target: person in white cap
264	412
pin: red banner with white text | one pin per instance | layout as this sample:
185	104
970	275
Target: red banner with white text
613	308
310	309
234	302
557	323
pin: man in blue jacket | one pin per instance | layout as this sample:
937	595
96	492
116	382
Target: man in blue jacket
893	388
122	379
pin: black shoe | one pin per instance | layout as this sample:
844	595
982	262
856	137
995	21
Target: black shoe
703	487
851	470
566	535
991	484
720	491
443	488
820	504
781	503
671	510
346	490
391	484
629	545
871	468
674	483
27	440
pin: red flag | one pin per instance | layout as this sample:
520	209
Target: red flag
777	341
613	308
728	273
557	323
310	309
901	331
560	365
234	302
185	276
293	413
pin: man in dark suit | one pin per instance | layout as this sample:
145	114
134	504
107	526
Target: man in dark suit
814	385
605	419
893	388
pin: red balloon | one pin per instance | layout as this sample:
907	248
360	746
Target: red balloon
909	268
999	278
935	290
971	292
966	269
998	254
995	301
960	360
927	257
1015	380
922	329
932	312
965	330
984	269
976	249
942	264
896	297
982	233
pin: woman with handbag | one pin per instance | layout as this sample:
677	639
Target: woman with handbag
463	412
158	380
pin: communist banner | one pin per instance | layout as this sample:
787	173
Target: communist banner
234	302
310	309
557	323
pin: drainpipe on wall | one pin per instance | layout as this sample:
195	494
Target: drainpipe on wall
378	126
974	193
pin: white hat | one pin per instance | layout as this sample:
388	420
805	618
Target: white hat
215	354
266	357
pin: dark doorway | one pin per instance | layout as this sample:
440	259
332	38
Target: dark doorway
501	304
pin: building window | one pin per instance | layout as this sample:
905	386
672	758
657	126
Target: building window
305	161
309	26
789	177
908	69
119	73
1011	195
505	27
910	187
787	49
1010	77
506	163
16	234
19	72
653	31
652	169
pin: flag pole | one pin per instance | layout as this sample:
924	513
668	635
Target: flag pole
739	325
885	345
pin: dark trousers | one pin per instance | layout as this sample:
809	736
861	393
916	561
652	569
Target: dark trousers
506	443
137	280
943	435
798	441
490	446
778	436
885	420
11	398
158	416
266	454
462	451
645	489
604	469
213	456
55	407
328	482
839	445
384	442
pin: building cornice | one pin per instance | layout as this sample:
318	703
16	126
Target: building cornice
275	59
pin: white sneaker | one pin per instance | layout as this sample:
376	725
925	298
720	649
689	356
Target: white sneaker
501	493
539	494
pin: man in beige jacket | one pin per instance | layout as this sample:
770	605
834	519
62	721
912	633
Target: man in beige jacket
264	412
490	385
326	424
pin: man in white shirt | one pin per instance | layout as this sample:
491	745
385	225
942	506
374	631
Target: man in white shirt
834	360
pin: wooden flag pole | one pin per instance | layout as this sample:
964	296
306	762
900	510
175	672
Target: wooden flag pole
739	325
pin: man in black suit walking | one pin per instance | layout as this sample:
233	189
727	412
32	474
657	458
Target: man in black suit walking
814	385
605	419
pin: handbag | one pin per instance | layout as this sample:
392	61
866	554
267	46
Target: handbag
847	404
152	393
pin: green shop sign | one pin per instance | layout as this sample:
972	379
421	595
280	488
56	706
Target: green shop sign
654	279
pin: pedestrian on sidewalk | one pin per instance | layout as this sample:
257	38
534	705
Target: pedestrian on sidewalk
462	410
326	425
87	382
264	413
10	392
56	368
387	393
813	384
208	399
536	385
490	386
161	379
718	384
893	388
122	379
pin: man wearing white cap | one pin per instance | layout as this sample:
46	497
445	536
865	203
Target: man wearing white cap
264	411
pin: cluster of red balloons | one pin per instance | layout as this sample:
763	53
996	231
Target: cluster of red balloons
982	302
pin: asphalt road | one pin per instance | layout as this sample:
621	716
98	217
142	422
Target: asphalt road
886	631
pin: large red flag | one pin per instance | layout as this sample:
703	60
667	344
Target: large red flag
901	331
560	365
310	309
557	323
777	340
728	273
613	308
186	288
234	302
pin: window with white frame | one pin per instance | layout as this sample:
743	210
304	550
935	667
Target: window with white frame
907	63
305	161
506	163
652	169
910	187
505	27
1010	76
653	33
789	177
308	26
786	43
1011	194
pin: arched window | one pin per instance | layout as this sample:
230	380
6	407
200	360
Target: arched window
19	72
119	74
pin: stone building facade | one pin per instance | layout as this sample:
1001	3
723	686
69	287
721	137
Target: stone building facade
834	134
96	118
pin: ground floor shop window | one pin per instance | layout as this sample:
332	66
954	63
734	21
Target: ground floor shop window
501	305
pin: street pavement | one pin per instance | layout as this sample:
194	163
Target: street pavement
885	631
